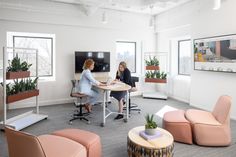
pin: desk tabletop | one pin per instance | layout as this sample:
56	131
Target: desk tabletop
165	140
119	86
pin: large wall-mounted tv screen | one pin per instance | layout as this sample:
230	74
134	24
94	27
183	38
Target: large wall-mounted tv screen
101	59
215	53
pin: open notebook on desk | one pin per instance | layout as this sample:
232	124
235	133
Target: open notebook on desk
115	85
112	86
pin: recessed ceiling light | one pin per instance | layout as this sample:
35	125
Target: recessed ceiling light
151	22
104	18
217	4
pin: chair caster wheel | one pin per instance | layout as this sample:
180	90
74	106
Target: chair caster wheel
88	122
125	120
70	122
102	124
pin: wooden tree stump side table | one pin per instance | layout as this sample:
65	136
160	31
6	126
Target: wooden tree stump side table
162	146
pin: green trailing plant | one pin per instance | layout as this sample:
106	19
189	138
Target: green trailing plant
153	74
150	123
152	61
148	74
21	86
16	65
8	89
163	75
156	74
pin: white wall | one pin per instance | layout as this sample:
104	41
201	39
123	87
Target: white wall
171	27
74	31
197	19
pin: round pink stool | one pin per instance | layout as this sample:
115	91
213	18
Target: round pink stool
176	123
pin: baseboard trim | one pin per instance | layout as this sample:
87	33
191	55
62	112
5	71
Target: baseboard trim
179	99
71	100
52	102
41	103
138	93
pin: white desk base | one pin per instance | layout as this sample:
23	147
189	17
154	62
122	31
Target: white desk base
105	100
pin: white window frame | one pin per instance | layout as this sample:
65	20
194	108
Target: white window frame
135	53
10	43
179	41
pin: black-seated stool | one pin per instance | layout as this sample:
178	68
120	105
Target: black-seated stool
79	105
132	106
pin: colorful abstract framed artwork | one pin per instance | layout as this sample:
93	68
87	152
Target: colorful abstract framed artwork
215	53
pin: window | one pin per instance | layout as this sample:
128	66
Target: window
126	51
184	57
44	43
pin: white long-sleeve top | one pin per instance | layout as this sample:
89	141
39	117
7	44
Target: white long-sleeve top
86	81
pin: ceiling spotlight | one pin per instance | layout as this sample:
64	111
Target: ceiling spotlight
151	22
217	4
104	17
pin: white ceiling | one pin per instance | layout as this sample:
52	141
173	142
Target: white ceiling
138	6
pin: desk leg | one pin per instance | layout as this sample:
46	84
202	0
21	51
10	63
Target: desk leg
127	107
104	109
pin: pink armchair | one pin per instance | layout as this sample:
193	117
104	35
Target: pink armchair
21	144
63	143
212	128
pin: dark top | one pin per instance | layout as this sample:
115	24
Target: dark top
125	77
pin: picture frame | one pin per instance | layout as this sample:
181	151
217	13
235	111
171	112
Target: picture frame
217	53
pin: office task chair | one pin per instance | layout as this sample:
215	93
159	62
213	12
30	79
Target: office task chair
132	106
79	104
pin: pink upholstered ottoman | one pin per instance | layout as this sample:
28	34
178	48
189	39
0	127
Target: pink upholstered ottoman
88	139
176	123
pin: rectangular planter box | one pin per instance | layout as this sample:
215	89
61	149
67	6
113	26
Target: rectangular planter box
155	80
22	95
152	67
16	75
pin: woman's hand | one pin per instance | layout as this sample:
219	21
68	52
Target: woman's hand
102	84
114	82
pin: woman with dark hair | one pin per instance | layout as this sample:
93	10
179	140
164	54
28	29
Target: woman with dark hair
123	74
86	82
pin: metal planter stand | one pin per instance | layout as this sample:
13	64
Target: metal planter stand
26	119
157	94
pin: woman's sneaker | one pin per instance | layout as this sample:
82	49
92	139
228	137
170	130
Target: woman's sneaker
119	116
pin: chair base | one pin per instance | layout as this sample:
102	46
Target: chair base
133	107
79	115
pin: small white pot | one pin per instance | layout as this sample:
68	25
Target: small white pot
150	131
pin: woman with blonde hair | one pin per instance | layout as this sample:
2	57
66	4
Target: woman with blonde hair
86	82
123	74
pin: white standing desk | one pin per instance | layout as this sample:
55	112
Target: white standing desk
116	87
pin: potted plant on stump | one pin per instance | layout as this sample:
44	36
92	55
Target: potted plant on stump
151	125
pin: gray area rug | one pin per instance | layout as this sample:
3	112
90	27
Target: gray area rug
114	134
